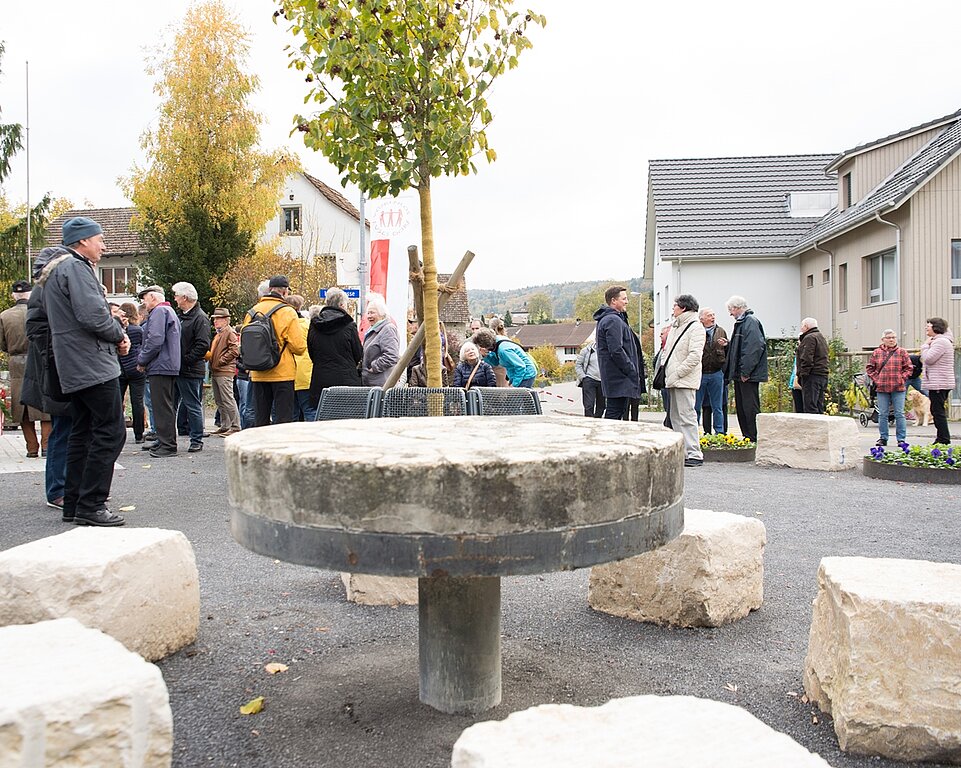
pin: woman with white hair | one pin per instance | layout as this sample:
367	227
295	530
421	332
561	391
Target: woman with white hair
381	343
333	344
472	371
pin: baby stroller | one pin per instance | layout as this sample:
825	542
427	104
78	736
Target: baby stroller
864	393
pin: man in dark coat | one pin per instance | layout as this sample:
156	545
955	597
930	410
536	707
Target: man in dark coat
160	359
194	345
86	340
617	354
36	384
746	365
812	366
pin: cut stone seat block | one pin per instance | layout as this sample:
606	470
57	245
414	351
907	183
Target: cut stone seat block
139	585
884	656
72	696
712	574
366	589
635	732
808	441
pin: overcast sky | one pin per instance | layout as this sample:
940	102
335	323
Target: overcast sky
606	88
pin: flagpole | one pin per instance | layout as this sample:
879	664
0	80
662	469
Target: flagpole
27	148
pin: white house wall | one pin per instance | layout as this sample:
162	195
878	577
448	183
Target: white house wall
769	285
325	228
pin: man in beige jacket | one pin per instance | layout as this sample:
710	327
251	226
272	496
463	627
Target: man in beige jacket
685	347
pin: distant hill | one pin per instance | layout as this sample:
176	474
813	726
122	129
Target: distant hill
562	297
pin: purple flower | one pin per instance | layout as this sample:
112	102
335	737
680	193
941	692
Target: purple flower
903	446
935	452
949	461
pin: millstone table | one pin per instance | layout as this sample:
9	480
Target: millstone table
458	502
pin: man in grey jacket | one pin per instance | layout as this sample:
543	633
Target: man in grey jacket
86	340
589	380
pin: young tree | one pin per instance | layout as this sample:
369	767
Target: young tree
403	86
203	163
540	309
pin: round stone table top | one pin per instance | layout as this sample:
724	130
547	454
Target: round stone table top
459	496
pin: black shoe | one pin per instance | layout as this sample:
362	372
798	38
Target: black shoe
881	441
150	435
67	517
150	446
693	462
138	440
195	447
162	453
102	517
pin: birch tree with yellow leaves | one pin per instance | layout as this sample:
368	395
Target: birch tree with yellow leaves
206	190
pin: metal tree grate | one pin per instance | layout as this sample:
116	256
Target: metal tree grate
424	401
505	401
349	403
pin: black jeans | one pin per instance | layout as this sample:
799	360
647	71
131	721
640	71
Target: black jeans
747	403
164	419
616	406
136	387
273	395
938	398
813	388
592	397
96	441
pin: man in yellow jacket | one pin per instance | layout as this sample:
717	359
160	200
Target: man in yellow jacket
273	389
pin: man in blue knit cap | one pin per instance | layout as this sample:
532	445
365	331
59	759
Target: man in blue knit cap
86	342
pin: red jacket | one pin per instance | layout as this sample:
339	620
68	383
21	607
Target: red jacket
889	376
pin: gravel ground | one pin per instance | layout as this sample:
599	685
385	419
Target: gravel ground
349	697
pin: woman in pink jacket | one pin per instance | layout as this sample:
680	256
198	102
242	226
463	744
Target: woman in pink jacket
937	354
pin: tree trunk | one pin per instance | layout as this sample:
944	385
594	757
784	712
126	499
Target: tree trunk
432	347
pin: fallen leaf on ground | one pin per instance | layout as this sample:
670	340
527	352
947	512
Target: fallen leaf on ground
131	508
731	688
274	667
145	466
253	706
804	699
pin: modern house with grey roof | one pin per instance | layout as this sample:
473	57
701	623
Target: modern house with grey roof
893	244
865	240
723	226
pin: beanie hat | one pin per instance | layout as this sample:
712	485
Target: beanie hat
80	228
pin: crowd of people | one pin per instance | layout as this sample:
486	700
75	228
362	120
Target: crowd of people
76	359
697	363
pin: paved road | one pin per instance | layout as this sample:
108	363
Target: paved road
350	695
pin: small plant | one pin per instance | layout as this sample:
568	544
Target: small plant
726	442
935	456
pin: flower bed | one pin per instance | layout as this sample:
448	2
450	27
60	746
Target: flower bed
727	448
914	464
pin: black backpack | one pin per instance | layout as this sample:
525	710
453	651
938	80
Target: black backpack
259	350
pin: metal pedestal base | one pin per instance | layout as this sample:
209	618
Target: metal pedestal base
460	643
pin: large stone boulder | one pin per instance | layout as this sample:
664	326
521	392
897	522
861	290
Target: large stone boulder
72	696
365	589
884	656
808	441
713	573
636	732
139	585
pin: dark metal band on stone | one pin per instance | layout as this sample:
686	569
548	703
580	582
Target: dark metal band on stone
426	555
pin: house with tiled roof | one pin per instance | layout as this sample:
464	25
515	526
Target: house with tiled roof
723	226
893	243
312	219
864	240
566	338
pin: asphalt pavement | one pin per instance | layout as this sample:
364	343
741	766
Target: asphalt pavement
349	696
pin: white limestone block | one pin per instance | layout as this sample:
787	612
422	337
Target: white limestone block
366	589
139	585
712	574
636	732
808	441
884	656
74	697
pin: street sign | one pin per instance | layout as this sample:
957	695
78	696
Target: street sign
352	293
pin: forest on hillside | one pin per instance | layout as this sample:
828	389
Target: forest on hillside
562	297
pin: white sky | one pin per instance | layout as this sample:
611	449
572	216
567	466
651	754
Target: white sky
607	87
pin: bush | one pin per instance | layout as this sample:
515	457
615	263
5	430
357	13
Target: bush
545	358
